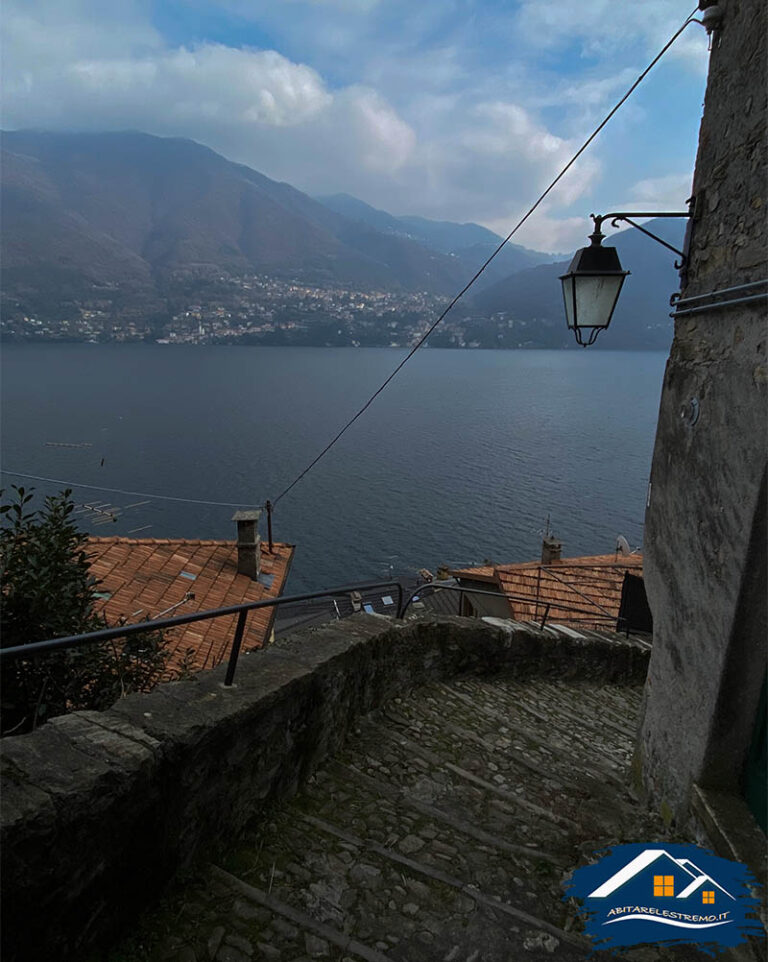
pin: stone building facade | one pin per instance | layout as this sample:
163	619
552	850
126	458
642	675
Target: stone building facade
705	535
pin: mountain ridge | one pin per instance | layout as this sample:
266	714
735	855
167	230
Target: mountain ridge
469	243
147	225
158	204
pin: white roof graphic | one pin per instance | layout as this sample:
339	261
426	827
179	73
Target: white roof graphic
646	858
700	879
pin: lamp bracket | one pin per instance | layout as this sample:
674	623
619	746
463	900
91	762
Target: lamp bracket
615	217
711	20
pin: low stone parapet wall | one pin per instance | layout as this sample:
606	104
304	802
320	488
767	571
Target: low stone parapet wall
100	809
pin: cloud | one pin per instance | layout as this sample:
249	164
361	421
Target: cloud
666	193
424	110
212	83
237	100
62	30
261	108
547	232
497	157
600	28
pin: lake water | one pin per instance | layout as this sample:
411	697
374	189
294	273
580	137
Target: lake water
460	460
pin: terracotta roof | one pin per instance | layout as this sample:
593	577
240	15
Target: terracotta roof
146	576
592	584
480	573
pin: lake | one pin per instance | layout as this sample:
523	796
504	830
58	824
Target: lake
461	459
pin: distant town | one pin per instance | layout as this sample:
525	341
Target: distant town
256	309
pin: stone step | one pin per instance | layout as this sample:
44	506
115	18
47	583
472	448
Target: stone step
554	720
554	716
441	832
397	898
517	763
597	707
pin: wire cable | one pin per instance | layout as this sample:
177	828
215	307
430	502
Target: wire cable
140	494
509	236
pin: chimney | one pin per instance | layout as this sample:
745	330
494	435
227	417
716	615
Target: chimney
551	548
248	543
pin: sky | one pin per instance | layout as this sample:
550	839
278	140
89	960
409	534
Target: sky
457	110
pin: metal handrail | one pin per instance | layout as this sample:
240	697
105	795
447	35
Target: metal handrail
463	589
161	624
242	610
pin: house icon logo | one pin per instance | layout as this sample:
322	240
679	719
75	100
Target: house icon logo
670	894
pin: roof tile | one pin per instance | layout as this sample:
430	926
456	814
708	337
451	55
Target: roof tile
142	576
584	591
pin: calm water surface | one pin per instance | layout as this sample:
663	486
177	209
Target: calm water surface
461	459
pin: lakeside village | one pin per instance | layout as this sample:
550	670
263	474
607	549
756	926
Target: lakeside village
257	309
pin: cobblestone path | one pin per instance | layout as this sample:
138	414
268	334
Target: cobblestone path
443	831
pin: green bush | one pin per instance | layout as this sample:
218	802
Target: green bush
49	592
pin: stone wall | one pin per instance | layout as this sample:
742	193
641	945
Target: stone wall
99	810
704	546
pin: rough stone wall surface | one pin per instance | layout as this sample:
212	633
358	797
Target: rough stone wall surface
705	497
100	809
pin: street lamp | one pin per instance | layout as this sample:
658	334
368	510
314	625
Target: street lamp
591	288
592	285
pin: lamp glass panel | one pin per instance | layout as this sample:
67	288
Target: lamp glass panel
596	298
568	282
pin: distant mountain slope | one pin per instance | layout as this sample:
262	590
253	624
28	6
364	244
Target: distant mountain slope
127	209
118	215
445	236
358	210
470	244
43	235
641	318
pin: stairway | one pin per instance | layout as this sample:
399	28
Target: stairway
442	831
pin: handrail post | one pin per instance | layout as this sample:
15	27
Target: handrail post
236	642
268	506
411	595
546	613
399	599
461	603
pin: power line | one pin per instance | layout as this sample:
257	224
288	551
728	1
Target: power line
140	494
509	236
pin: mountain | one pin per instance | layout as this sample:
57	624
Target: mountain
641	319
129	226
470	244
357	210
444	236
125	211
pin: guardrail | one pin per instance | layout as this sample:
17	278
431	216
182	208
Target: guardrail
161	624
593	617
242	610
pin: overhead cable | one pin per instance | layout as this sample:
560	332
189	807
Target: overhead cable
509	236
139	494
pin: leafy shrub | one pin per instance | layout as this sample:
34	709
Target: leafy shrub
49	592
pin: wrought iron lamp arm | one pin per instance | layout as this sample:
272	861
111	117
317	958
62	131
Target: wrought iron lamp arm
617	216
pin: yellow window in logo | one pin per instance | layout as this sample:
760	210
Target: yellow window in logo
708	898
663	885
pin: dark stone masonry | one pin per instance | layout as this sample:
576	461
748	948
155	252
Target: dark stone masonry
704	544
100	811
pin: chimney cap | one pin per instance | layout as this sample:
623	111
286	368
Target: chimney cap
252	515
551	549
